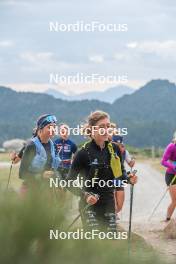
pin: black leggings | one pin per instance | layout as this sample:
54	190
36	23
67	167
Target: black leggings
100	216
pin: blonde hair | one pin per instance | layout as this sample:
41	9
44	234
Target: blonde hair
113	125
92	120
96	116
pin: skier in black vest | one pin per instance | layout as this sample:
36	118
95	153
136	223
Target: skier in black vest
99	164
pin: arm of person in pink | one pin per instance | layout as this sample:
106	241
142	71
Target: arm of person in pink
166	157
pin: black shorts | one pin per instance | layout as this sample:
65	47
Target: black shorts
119	184
169	178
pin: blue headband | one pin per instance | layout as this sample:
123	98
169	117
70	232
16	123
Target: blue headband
46	120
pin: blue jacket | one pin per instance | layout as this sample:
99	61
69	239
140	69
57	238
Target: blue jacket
66	148
40	159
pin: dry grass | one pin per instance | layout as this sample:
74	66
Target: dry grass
156	163
4	157
15	182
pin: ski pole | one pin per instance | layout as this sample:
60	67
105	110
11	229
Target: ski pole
131	212
10	172
78	216
84	209
157	205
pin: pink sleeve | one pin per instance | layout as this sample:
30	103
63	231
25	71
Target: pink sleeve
166	157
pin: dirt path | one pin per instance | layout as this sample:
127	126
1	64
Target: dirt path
147	193
4	164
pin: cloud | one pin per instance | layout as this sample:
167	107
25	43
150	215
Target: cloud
120	56
96	59
45	63
165	49
14	3
132	45
37	57
35	52
67	88
6	44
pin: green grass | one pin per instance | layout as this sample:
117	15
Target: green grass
25	225
24	235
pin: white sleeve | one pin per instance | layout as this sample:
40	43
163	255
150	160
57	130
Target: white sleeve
127	156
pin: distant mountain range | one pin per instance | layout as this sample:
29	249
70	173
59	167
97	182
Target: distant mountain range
109	95
149	113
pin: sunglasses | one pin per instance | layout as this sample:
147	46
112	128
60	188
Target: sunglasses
48	120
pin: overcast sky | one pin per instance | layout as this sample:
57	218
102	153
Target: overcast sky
29	52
